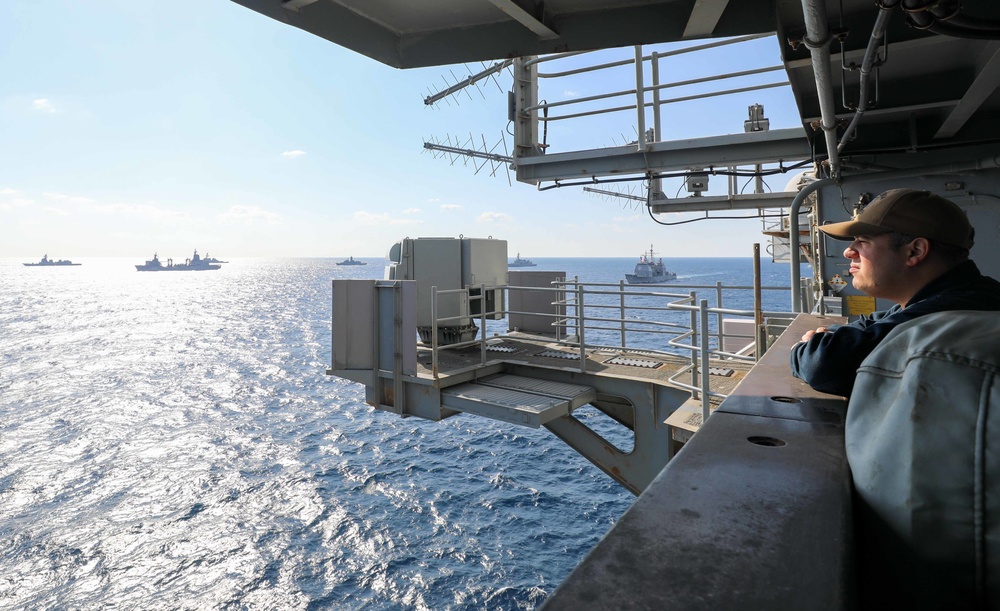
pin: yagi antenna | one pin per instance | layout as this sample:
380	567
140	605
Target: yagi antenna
627	197
488	73
474	152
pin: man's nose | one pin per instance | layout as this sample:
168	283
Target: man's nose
850	253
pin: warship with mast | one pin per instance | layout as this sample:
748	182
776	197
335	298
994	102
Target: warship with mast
47	262
649	270
351	261
195	263
519	262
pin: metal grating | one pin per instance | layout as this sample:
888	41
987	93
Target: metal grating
633	362
535	385
504	397
500	348
557	354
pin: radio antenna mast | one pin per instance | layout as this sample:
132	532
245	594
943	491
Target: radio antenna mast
470	150
488	73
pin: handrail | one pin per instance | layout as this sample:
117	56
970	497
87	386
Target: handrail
639	104
693	338
694	49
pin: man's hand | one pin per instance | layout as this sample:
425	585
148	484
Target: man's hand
812	332
809	334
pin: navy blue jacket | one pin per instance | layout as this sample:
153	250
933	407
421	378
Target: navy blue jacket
829	361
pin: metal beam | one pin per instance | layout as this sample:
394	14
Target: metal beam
525	18
982	88
704	17
295	5
678	155
651	405
888	111
749	201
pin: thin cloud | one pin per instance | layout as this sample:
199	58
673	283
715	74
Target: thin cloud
451	207
56	211
43	105
367	218
249	215
15	202
494	217
412	211
569	93
293	154
69	199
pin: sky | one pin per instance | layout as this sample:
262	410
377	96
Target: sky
129	127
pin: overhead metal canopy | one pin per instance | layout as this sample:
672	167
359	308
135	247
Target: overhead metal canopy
412	33
934	90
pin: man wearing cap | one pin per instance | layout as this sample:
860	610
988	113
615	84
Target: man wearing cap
908	246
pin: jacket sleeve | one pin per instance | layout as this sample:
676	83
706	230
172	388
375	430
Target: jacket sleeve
829	361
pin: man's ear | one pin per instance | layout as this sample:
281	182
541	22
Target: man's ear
917	251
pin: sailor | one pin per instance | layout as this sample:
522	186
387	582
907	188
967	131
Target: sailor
907	246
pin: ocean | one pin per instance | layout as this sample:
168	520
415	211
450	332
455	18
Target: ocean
171	441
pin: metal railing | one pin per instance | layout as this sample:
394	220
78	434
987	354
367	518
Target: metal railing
657	89
638	93
588	316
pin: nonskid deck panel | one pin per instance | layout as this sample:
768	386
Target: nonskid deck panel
512	350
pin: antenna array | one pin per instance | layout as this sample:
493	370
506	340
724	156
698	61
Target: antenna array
630	195
479	79
471	151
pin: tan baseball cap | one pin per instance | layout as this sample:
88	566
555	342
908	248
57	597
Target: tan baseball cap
921	214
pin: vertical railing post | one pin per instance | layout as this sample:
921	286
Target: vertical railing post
656	186
694	342
654	64
705	406
621	311
718	315
482	321
759	336
580	325
525	89
434	331
561	310
640	99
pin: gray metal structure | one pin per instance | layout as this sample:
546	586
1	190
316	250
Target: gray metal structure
541	373
755	511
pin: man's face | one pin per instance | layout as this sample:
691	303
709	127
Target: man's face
876	268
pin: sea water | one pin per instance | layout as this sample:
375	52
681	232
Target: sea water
171	441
